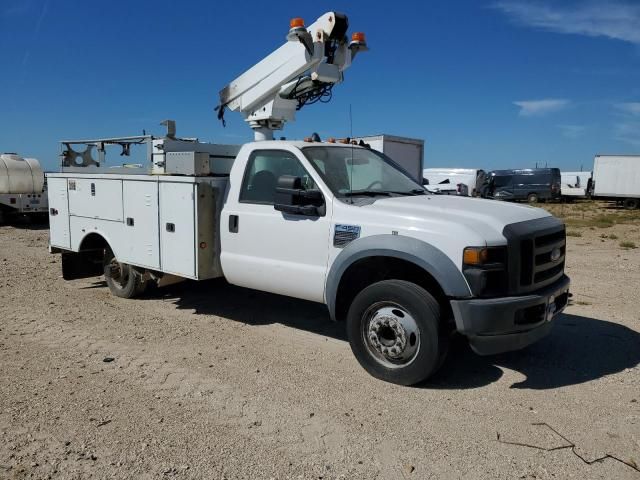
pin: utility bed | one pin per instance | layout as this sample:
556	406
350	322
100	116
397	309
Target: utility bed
162	214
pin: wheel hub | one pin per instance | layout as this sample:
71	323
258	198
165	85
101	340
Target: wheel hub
387	336
392	335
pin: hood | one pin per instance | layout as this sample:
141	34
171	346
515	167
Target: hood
473	217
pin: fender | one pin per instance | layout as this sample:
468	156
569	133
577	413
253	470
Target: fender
422	254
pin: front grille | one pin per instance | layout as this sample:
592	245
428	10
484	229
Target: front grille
537	253
537	267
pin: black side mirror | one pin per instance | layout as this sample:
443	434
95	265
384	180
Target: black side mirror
293	199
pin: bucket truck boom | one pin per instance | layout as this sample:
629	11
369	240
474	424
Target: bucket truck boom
300	72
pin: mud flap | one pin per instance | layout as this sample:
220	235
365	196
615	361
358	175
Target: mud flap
82	265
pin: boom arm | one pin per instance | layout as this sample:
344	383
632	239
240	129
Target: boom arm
300	72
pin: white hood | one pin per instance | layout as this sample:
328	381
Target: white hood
477	221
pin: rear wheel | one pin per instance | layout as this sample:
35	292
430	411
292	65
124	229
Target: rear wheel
631	203
532	198
123	280
393	330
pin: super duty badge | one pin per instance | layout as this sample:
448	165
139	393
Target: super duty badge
345	234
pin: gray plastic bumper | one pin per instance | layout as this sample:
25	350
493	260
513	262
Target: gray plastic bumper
498	325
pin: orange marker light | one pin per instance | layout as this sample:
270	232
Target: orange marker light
203	245
296	23
475	256
358	37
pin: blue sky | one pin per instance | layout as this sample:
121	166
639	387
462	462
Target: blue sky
493	84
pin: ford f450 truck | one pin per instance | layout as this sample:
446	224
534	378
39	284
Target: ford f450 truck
337	224
329	222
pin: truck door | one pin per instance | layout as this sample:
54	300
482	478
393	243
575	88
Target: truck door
269	250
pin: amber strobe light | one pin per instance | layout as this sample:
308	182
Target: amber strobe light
475	255
296	23
358	37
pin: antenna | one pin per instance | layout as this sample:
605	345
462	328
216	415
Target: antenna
351	141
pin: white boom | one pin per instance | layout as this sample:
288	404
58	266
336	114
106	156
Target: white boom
300	72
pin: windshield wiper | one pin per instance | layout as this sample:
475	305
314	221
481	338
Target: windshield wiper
415	191
368	193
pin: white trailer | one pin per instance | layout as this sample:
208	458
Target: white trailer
406	152
455	181
617	178
575	184
22	186
331	223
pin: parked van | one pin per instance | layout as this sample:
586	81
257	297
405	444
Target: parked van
530	184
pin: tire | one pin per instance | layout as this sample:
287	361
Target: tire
393	328
631	203
123	280
532	198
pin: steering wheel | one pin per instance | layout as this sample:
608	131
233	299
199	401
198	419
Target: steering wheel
373	183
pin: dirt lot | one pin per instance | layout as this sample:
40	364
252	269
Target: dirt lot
213	381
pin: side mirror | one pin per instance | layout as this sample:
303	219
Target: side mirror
293	199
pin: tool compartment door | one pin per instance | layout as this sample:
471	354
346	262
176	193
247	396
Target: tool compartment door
141	224
177	228
58	213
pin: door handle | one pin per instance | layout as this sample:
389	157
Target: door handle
233	223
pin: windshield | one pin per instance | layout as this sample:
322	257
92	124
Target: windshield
359	171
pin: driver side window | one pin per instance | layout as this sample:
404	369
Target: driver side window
263	170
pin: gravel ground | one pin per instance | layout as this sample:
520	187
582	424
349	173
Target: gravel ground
207	380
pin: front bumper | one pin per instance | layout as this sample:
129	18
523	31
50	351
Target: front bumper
497	325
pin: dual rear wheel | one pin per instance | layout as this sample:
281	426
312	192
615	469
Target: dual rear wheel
123	279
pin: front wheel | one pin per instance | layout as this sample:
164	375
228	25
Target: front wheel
393	330
123	280
532	198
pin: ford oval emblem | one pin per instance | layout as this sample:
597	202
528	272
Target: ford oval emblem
555	254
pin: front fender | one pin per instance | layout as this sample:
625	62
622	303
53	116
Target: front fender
418	252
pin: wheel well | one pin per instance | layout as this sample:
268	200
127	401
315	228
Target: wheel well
93	242
367	271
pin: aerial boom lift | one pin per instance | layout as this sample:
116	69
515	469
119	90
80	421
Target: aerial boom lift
300	72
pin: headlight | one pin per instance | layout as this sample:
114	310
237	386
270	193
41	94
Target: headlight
485	269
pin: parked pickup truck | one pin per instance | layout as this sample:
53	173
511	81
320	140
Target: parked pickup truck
332	223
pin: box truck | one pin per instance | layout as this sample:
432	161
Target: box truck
617	178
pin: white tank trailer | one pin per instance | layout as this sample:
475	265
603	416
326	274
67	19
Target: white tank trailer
22	186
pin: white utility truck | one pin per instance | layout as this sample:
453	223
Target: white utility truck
22	190
575	185
617	178
406	152
333	223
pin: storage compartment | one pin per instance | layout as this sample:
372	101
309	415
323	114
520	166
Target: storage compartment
140	228
177	229
96	198
58	213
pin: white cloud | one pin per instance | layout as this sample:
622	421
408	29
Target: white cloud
572	131
632	108
617	19
530	108
628	132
